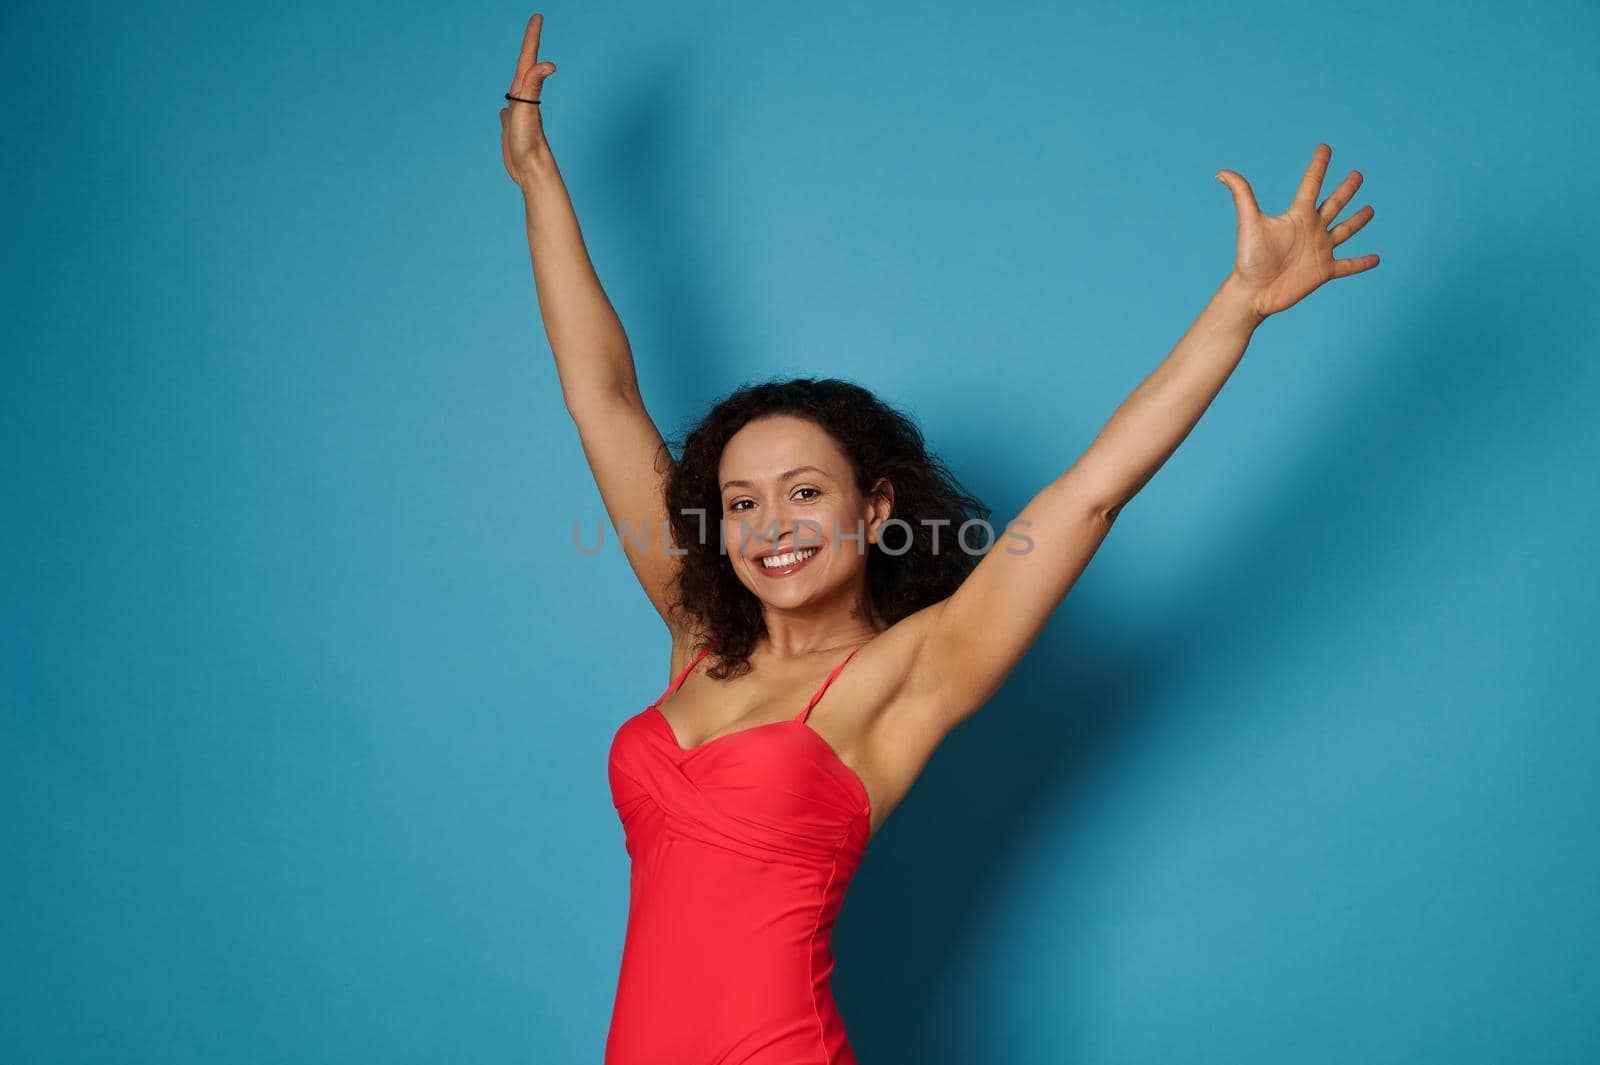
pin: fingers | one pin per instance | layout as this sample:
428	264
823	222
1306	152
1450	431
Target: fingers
1244	201
1346	267
530	52
531	73
1346	229
1339	197
1311	183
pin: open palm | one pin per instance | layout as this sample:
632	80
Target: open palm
1283	259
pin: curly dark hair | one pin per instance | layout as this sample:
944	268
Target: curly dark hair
880	441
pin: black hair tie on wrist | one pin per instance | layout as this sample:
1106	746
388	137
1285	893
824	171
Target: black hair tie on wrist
520	99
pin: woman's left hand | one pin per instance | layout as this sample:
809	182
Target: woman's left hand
1281	260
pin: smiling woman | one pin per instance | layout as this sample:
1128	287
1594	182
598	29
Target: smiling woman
809	463
745	817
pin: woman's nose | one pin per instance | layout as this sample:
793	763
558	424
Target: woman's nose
801	532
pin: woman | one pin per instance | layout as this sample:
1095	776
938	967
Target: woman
746	809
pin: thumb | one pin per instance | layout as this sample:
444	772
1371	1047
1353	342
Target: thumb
1244	201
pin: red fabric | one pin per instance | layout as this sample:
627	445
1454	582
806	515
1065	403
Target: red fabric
741	851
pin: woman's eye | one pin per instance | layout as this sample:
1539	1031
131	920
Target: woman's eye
817	491
736	504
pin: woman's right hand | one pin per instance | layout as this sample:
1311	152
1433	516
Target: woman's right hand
521	129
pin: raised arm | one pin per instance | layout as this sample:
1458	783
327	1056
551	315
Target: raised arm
970	641
593	360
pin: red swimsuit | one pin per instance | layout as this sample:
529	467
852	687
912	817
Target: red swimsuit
742	849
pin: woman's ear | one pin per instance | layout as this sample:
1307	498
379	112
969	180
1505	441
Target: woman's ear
880	507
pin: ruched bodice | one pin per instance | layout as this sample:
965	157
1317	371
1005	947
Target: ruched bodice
741	851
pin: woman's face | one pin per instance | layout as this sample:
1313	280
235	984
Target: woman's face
788	495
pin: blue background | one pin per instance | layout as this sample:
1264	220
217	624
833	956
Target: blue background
308	694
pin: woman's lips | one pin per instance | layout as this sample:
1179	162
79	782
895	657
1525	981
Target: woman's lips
784	571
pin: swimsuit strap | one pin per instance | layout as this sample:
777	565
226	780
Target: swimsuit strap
802	715
681	677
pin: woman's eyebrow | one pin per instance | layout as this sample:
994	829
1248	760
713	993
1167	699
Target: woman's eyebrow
784	476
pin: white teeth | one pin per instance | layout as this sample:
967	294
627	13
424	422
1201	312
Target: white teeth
788	558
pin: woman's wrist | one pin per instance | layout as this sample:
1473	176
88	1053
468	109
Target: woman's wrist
1238	296
536	169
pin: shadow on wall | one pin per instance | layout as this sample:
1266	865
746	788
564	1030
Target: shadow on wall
1352	513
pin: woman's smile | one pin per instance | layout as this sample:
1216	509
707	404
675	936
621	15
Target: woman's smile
785	563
